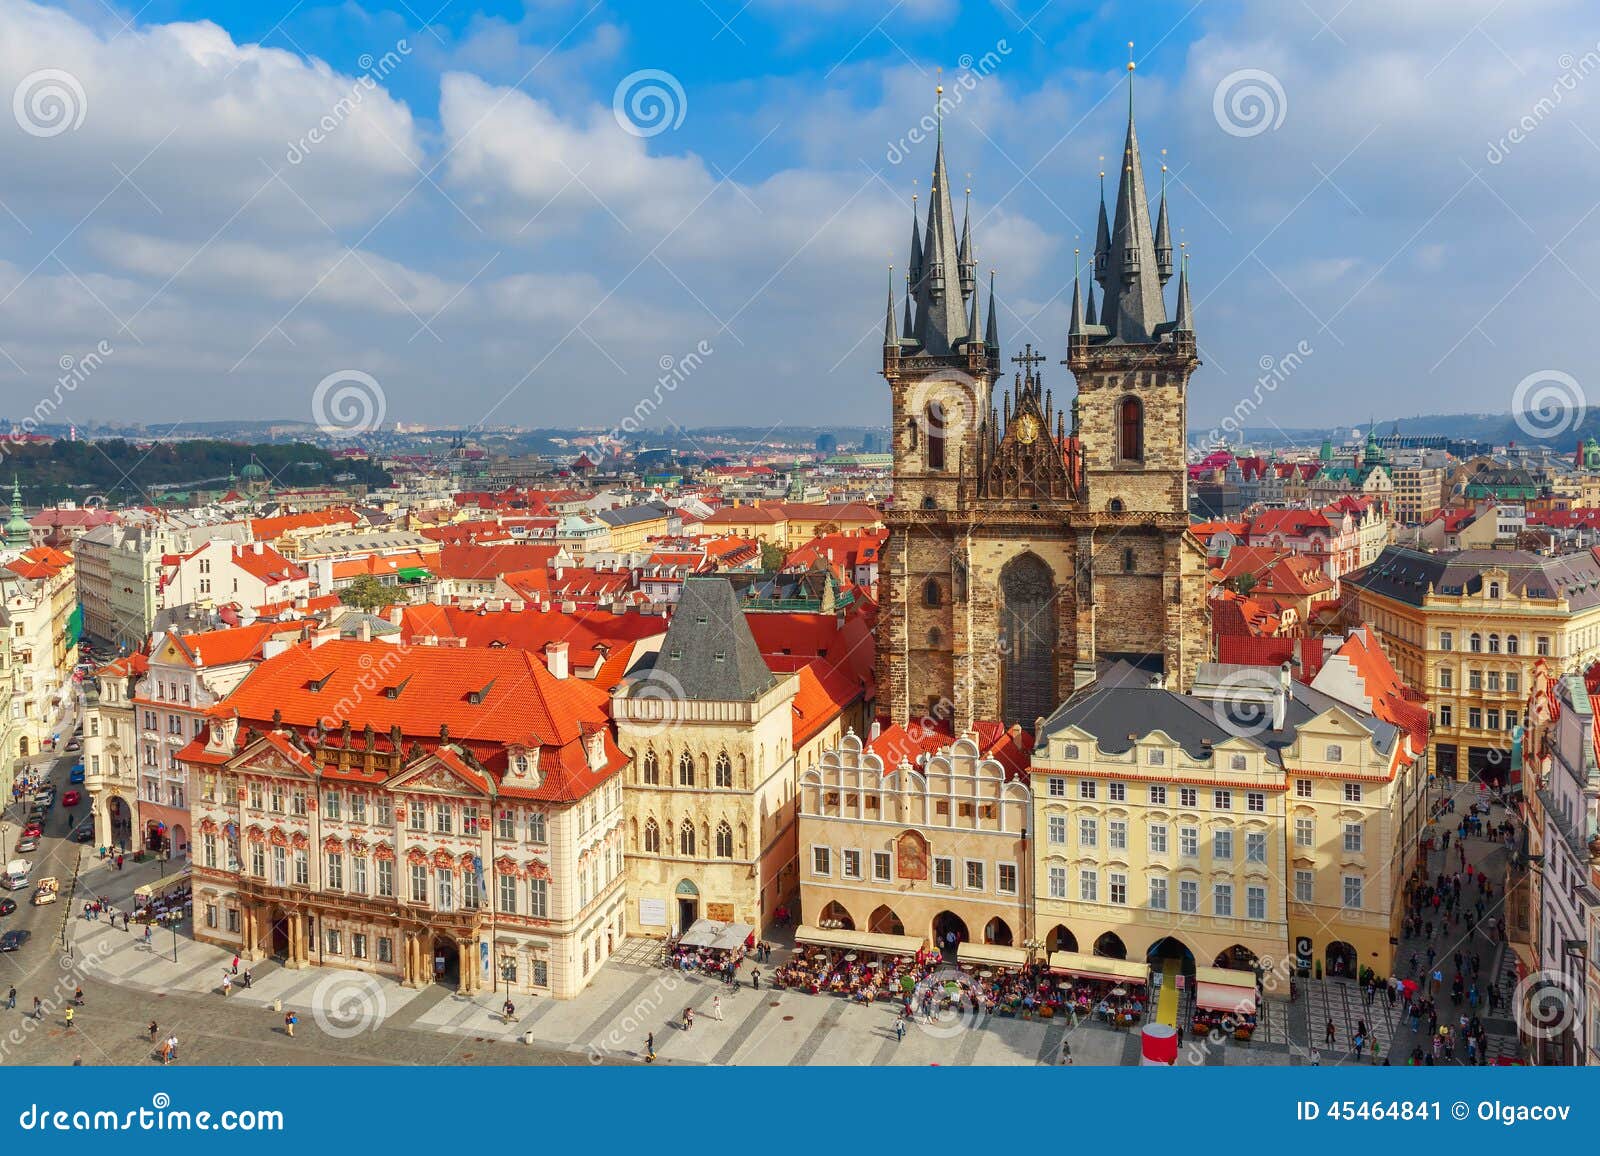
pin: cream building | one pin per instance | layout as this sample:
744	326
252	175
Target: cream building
111	750
907	842
1466	628
1252	821
710	798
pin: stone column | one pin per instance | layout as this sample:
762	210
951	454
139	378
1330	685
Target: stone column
294	958
464	967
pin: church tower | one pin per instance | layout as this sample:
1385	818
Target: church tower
1132	368
940	372
1026	549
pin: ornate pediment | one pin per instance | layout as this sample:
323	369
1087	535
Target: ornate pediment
438	775
264	757
1023	450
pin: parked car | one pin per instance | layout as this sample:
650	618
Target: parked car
84	833
8	906
33	830
13	940
77	774
71	799
27	843
73	744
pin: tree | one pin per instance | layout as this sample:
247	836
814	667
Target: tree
1244	582
366	593
772	557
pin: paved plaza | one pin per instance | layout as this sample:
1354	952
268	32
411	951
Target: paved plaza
347	1017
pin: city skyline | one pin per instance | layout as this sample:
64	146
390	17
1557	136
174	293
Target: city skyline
454	224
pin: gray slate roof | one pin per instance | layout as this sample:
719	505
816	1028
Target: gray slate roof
709	653
1404	574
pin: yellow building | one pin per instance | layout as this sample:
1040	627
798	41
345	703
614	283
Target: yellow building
1466	628
1250	822
900	839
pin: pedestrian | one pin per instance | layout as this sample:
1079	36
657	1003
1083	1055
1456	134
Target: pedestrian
1331	1034
227	984
247	979
716	1008
38	1008
688	1018
235	965
172	1046
153	1031
77	996
70	1010
119	862
650	1048
899	1030
1316	1058
11	998
1360	1042
164	1050
289	1021
509	1011
755	979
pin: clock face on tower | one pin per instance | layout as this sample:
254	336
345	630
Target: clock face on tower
1027	429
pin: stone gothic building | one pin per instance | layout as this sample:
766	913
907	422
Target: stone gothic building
1030	542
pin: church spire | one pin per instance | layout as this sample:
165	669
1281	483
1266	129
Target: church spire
1076	327
968	259
941	322
1185	322
17	529
1102	236
891	334
906	328
1163	232
991	332
1132	307
914	270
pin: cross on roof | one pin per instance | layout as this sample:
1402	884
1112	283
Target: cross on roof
1028	358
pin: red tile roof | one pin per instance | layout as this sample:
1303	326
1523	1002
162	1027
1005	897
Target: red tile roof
270	529
468	562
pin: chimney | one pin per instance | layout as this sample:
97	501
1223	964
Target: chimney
364	632
1280	698
555	658
397	616
259	546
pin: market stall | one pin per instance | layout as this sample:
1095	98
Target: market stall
711	947
1225	999
168	899
863	966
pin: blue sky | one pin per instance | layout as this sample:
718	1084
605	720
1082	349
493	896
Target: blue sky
1414	219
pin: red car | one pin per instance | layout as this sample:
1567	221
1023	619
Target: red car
71	799
33	829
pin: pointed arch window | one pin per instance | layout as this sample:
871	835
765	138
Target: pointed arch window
1131	425
686	838
724	770
686	770
652	837
652	769
932	594
724	840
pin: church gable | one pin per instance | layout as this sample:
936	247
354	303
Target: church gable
1024	452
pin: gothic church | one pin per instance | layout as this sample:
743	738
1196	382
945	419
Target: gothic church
1031	542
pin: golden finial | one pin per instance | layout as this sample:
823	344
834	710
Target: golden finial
938	88
1130	56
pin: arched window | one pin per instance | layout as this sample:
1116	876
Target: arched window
1494	644
932	595
1131	422
911	431
652	768
1116	505
1512	645
1475	643
936	421
652	837
1494	590
686	838
685	770
724	770
724	840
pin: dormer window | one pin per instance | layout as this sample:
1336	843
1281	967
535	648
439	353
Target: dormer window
597	750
